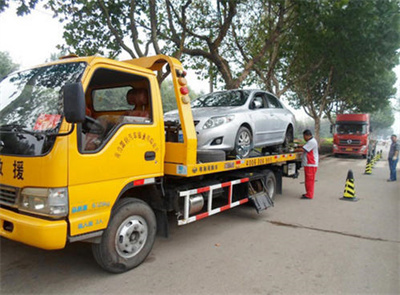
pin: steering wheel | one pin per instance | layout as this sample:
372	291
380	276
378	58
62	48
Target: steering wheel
91	125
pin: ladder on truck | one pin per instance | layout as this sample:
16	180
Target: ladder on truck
255	190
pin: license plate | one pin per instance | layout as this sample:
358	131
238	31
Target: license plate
349	149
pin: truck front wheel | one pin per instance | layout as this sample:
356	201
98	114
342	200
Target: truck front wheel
129	237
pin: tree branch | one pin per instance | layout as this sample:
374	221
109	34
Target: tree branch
113	30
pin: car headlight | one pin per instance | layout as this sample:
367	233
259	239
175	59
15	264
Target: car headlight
51	202
217	121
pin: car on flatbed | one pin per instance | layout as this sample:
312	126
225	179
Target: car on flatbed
236	121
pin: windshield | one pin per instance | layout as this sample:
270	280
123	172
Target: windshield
31	106
222	99
351	128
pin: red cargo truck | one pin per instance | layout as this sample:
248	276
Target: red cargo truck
351	134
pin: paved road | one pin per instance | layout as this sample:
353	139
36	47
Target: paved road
322	246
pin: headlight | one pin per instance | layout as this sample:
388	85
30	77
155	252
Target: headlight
217	121
363	148
51	202
335	147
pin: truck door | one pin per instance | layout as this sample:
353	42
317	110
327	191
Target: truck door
119	144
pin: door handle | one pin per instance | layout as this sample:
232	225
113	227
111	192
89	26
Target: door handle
149	156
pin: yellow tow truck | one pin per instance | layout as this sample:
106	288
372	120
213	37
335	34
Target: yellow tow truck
77	163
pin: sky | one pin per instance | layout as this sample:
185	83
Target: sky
30	40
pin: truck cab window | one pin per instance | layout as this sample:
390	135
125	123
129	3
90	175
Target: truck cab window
114	99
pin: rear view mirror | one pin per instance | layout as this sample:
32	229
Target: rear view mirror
74	103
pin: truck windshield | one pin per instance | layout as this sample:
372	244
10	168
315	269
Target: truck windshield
31	107
351	129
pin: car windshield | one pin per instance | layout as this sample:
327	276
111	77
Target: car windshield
222	99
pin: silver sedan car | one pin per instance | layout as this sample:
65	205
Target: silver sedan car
237	121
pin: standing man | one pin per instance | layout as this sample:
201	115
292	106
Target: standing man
310	163
393	158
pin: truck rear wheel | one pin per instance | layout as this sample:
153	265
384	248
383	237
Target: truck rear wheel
270	183
129	237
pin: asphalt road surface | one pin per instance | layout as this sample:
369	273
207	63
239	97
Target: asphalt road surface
320	246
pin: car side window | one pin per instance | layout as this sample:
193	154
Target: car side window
274	103
258	102
114	98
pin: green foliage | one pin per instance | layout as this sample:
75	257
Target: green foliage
6	64
168	96
383	118
345	52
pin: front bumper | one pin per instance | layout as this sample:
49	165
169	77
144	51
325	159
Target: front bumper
226	131
354	150
36	232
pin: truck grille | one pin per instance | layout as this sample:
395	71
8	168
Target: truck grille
8	195
349	142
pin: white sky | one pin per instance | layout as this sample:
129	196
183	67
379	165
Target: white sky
31	39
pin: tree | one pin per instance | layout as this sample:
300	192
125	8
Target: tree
382	119
351	48
225	40
6	64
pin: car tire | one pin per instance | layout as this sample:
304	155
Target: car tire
243	143
289	137
129	237
207	156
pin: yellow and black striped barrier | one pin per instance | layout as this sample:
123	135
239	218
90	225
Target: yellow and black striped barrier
349	193
368	167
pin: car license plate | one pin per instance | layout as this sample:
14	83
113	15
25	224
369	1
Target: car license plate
349	149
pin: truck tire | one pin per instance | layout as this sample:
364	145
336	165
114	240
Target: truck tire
129	237
270	183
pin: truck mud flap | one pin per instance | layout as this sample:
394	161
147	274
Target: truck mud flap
261	201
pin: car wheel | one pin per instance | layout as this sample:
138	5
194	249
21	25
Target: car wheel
243	143
128	238
288	138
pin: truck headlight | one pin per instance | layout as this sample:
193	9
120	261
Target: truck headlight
363	148
217	121
51	202
335	147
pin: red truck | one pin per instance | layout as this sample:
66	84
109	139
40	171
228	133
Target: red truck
351	134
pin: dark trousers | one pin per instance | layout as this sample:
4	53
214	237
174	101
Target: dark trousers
392	168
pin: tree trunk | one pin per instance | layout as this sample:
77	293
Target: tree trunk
317	126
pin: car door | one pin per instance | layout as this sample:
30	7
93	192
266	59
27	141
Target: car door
262	119
280	119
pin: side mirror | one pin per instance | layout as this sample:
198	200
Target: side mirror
74	103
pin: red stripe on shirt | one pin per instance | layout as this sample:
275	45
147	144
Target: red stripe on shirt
310	158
